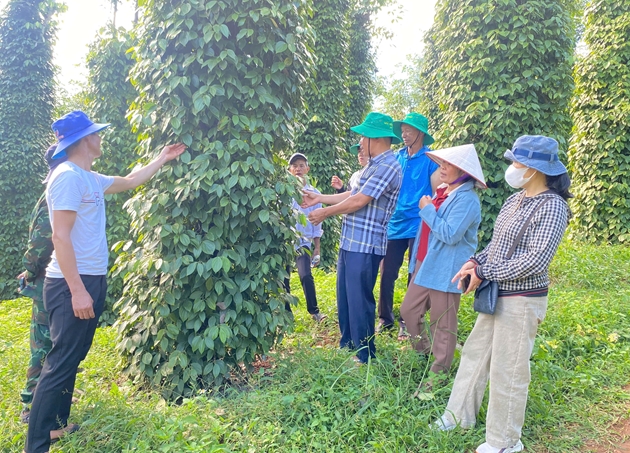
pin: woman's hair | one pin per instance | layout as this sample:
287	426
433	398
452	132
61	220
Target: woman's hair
560	184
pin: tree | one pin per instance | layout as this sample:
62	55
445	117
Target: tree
27	33
339	97
328	98
402	94
494	71
600	148
212	234
110	93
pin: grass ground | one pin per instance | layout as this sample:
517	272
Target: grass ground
309	397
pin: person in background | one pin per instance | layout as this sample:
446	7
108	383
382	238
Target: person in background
446	239
420	178
75	285
36	258
309	237
337	184
500	345
363	233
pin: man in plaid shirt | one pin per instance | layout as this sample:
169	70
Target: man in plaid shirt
364	232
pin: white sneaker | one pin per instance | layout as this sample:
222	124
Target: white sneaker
487	448
443	424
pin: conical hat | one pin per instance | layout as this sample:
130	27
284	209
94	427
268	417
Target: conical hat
463	157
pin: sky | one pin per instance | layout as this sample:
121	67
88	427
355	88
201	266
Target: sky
79	26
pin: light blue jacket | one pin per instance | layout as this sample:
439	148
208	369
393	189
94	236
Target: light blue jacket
452	241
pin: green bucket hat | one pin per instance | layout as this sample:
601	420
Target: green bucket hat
418	121
354	149
377	125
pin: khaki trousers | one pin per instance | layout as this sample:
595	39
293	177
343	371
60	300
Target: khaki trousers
441	338
498	349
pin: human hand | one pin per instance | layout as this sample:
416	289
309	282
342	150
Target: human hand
463	272
83	305
336	183
170	152
468	280
309	199
425	201
317	216
316	257
22	275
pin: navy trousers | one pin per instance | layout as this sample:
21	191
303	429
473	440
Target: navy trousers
71	340
390	266
356	306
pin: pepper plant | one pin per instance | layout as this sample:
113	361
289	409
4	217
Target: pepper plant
27	34
495	70
110	93
600	148
213	231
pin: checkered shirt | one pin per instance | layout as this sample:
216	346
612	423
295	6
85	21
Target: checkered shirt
528	266
365	231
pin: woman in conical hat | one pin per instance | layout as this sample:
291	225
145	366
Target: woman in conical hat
447	238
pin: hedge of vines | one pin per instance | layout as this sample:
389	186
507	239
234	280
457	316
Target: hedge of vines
212	233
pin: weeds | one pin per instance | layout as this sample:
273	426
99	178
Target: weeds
313	398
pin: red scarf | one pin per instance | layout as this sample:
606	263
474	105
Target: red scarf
440	196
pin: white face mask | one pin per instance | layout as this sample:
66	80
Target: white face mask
515	177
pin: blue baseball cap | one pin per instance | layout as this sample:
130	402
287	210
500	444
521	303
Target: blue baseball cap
71	128
537	152
53	163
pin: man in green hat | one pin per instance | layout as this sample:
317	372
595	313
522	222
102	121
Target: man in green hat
366	213
420	178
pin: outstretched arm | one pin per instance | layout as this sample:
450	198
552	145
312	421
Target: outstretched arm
311	198
142	175
350	204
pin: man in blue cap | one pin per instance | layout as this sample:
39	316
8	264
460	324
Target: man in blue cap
363	233
420	178
75	286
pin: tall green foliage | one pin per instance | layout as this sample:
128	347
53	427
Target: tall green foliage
600	149
402	93
213	232
328	98
361	64
27	32
495	70
110	93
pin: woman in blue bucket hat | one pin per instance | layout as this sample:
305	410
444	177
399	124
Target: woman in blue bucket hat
526	236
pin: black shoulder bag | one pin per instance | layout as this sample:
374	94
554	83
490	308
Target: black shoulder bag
487	292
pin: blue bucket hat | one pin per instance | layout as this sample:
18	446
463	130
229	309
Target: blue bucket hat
537	152
53	163
71	128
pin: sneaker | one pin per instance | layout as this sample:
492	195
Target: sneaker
319	317
443	424
487	448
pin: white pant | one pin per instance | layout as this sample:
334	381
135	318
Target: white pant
498	349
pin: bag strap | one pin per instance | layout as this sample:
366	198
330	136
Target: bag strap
521	233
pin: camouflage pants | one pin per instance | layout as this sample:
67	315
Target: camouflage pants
40	347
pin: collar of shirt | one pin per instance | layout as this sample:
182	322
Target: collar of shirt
404	152
380	157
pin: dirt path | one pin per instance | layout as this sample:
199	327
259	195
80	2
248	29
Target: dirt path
619	443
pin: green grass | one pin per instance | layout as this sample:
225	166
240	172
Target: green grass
313	399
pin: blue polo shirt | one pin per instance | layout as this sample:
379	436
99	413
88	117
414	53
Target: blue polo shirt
416	182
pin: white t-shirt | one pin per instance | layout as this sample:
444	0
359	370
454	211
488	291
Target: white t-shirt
71	188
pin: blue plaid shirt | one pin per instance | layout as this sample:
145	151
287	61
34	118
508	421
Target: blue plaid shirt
365	231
